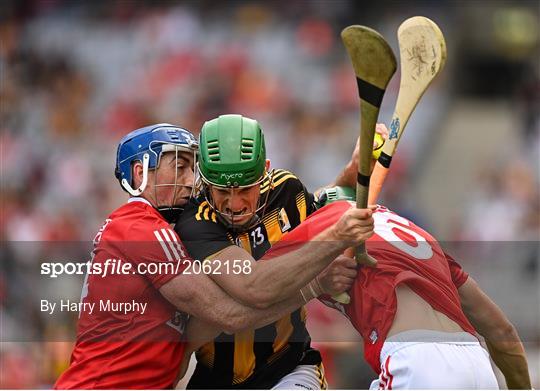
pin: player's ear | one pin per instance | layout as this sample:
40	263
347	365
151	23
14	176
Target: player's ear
267	164
137	174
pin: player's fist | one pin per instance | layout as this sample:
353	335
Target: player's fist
381	135
339	276
351	169
354	226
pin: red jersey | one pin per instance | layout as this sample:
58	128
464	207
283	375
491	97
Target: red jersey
405	254
140	346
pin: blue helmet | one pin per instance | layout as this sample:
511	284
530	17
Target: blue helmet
146	145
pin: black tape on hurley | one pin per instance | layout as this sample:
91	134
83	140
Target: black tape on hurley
363	180
385	160
370	93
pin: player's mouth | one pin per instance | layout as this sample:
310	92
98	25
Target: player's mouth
182	201
235	213
238	217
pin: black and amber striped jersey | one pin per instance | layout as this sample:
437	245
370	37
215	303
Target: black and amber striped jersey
254	358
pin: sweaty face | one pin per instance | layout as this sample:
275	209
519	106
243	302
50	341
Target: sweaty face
173	179
237	205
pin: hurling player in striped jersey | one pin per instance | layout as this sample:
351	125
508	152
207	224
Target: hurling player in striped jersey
242	209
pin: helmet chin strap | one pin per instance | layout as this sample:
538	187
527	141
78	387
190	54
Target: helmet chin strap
140	189
171	213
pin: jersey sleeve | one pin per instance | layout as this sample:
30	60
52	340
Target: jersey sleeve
459	276
156	251
201	232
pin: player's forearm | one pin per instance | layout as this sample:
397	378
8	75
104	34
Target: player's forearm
254	318
508	354
501	336
241	318
202	298
273	281
270	282
285	275
347	177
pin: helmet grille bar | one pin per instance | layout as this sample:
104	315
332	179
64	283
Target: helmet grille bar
213	150
246	149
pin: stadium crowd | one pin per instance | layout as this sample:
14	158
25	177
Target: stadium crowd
76	77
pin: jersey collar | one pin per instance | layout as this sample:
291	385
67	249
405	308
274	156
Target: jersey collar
139	199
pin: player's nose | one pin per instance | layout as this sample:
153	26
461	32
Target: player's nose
189	179
236	204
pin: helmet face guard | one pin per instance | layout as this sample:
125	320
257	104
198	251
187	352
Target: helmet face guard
147	145
232	156
171	212
228	219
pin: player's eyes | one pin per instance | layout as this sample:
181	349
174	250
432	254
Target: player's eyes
246	190
222	192
182	164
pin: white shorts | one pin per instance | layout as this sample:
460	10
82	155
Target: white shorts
426	359
304	377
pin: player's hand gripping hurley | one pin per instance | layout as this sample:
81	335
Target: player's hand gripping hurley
422	52
374	64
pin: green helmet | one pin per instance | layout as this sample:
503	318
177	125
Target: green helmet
337	193
232	151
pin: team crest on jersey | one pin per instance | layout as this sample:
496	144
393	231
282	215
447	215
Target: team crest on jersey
374	336
283	220
179	321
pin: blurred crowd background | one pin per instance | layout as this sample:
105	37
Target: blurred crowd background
77	75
